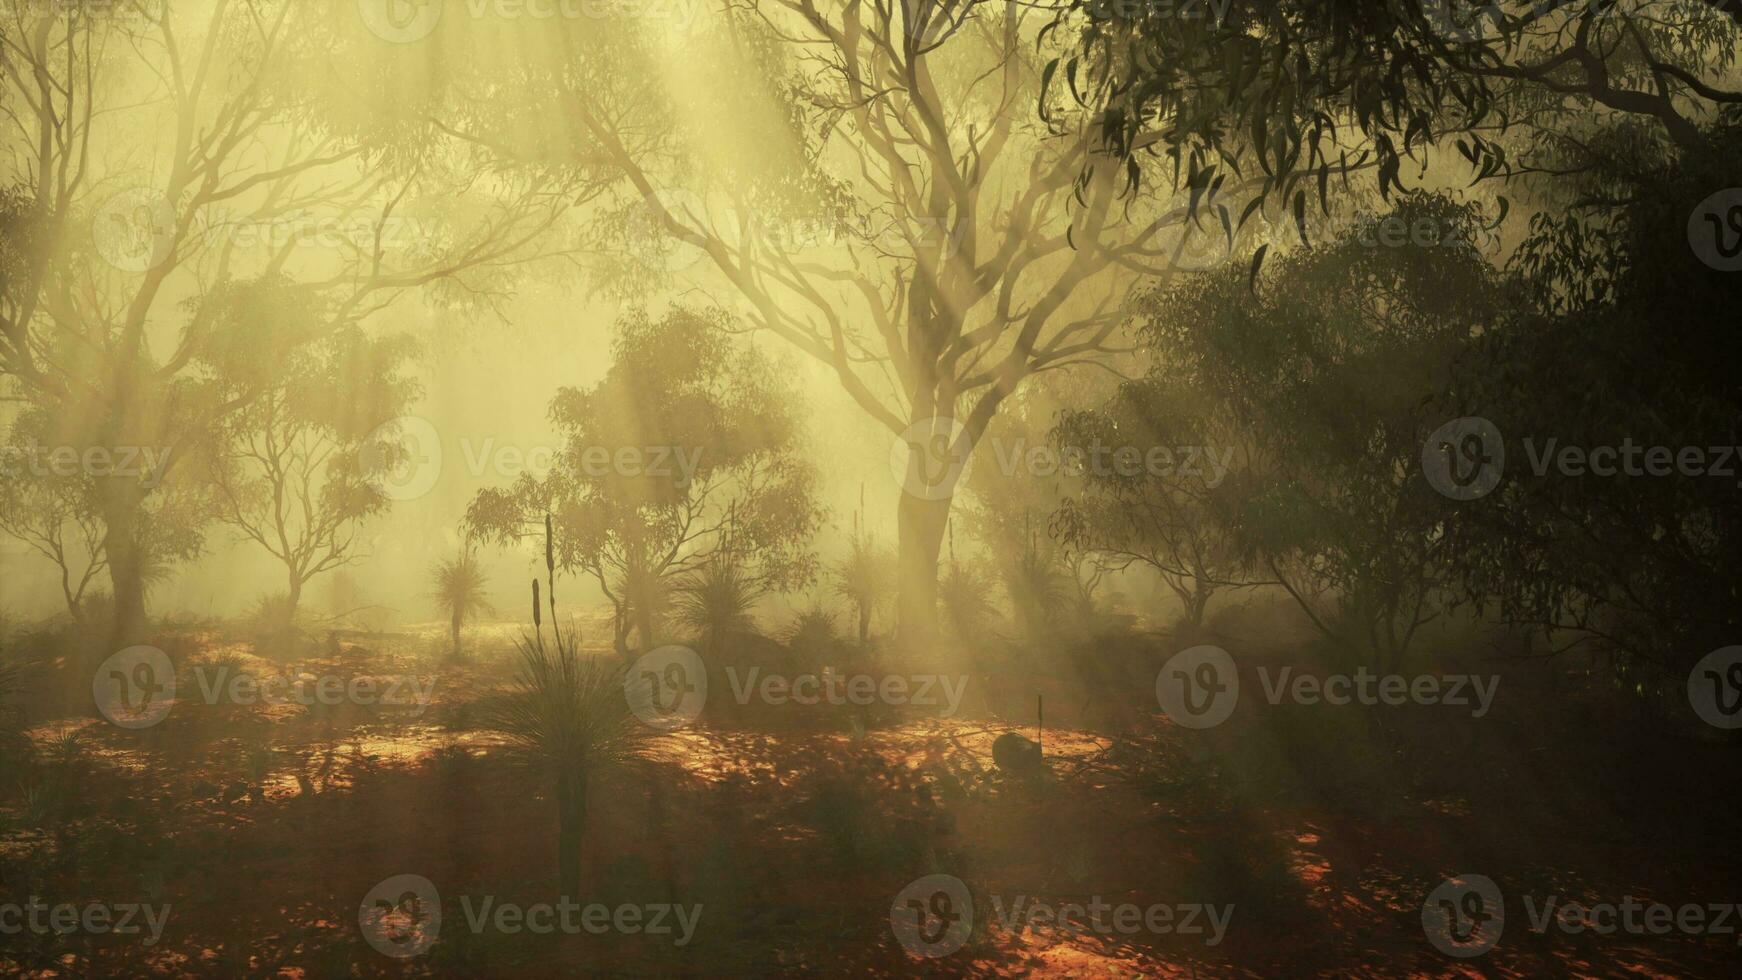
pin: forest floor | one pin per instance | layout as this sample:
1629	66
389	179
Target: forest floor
1320	831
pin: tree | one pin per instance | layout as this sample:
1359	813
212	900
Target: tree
686	449
227	101
1166	517
48	501
1624	342
51	512
919	234
1328	368
297	467
1301	87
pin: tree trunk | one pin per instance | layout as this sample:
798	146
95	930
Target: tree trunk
571	807
643	622
1201	591
620	627
641	592
458	621
920	525
292	599
120	503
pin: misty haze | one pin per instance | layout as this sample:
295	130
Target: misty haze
728	488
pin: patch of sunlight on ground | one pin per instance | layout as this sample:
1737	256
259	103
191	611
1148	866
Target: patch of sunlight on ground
1064	958
712	754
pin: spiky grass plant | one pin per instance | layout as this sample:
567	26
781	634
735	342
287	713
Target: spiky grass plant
1036	586
964	600
812	634
717	603
459	592
567	720
864	578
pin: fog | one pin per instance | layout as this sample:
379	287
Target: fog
869	487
